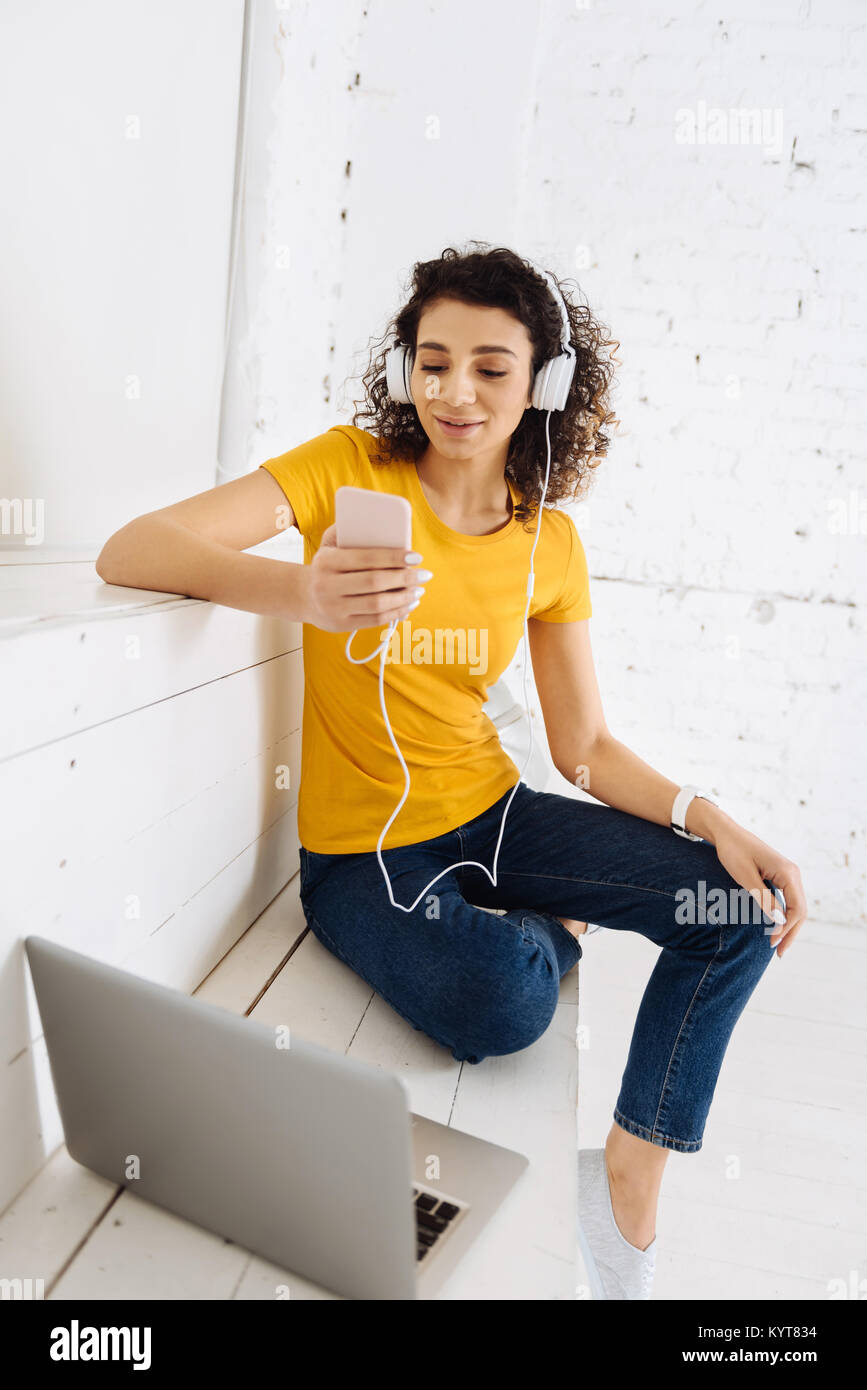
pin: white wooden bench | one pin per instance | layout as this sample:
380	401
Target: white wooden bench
76	855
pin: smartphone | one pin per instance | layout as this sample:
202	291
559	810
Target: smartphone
368	518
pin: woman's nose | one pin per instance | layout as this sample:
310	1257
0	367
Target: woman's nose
458	388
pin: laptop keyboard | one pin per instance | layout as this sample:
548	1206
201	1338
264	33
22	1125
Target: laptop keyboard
433	1219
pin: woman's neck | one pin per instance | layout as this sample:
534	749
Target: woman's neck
469	495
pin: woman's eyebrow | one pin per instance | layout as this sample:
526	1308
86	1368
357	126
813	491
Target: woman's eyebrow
477	351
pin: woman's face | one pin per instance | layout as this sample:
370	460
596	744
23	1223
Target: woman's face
471	364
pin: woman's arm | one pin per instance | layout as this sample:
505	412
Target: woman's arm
586	753
196	547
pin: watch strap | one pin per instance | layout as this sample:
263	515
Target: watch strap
679	810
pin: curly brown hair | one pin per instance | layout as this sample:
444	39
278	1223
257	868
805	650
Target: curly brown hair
498	278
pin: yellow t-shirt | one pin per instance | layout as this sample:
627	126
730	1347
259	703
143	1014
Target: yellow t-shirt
441	659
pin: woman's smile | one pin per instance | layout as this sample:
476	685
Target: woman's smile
448	427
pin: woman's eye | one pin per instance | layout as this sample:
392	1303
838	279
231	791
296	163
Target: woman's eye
486	371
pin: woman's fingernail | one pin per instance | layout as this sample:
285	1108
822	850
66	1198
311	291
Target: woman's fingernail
419	591
413	605
412	558
424	575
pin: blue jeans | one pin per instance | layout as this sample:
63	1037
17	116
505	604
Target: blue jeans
484	985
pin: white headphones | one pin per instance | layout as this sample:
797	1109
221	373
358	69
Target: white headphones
550	390
550	385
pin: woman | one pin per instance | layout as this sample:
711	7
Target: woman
469	451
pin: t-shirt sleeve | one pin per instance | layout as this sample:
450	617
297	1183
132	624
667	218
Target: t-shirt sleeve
311	473
572	600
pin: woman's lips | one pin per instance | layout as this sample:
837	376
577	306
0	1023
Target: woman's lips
458	430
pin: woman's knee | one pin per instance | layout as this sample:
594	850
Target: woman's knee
741	931
498	1015
749	943
714	900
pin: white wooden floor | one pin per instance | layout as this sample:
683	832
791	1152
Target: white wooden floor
87	1239
789	1109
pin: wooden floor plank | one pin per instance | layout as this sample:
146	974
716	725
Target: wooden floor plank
777	1243
384	1039
239	978
677	1278
526	1101
317	996
264	1282
141	1251
50	1218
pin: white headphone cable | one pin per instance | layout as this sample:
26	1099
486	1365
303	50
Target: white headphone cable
381	650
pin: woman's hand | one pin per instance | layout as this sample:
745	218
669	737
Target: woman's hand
351	587
749	860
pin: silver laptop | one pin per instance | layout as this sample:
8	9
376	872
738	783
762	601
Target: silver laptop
306	1157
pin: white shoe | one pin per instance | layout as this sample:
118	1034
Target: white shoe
617	1269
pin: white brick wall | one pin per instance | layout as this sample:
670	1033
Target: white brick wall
727	629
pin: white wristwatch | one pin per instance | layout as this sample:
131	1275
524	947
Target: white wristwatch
678	810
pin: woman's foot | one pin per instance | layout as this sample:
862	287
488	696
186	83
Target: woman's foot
616	1268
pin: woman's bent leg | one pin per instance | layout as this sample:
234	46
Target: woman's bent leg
592	862
478	984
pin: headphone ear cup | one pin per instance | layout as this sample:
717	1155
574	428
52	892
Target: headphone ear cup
398	369
540	383
552	382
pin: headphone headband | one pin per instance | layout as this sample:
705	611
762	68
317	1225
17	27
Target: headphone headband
566	327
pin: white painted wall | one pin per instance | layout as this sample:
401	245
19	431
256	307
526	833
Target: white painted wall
140	816
727	629
119	125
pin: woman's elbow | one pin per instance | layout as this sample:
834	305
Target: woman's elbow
102	564
106	564
112	562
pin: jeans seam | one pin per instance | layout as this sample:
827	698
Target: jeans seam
591	882
653	1136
